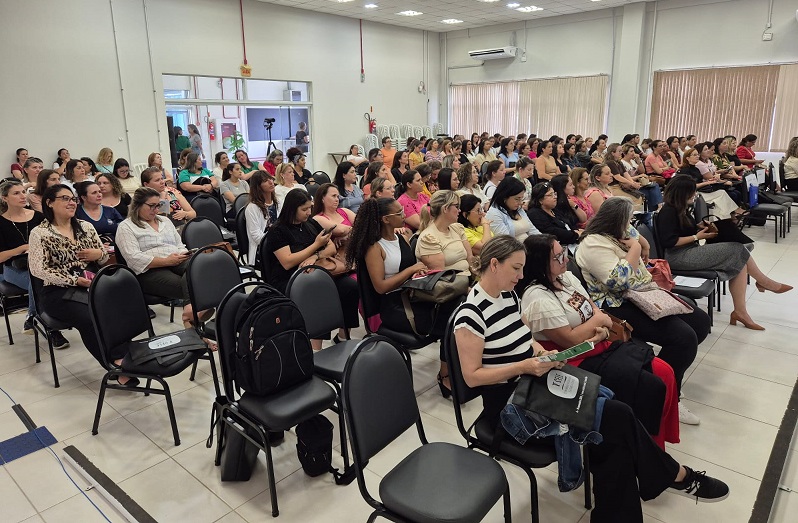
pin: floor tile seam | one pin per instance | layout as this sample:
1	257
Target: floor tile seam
713	463
742	373
208	488
730	412
759	344
19	487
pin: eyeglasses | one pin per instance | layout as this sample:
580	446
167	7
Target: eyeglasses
518	199
152	206
478	209
561	257
67	199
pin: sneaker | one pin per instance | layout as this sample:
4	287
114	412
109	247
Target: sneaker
687	417
27	327
700	486
59	342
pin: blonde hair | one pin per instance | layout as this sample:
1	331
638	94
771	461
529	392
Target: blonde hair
439	202
792	148
278	173
105	156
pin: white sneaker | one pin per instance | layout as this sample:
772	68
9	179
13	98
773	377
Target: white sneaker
687	417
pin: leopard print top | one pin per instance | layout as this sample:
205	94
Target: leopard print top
53	257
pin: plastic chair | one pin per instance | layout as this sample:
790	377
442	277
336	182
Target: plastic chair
240	202
480	435
314	292
255	416
45	325
435	482
321	177
201	232
116	322
11	292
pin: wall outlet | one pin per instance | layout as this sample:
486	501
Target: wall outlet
767	37
523	56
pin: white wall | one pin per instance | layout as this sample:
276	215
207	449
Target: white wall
686	34
72	91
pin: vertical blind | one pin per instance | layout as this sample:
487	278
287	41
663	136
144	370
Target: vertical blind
715	102
543	107
785	119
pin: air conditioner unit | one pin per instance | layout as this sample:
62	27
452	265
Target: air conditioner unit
493	54
292	96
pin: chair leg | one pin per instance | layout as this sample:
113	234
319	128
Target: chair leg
588	489
172	313
170	407
36	343
193	371
149	384
213	373
533	495
8	323
711	307
52	360
272	486
100	400
508	509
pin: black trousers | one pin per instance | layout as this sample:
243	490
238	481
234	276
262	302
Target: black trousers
627	467
169	282
678	336
77	315
350	297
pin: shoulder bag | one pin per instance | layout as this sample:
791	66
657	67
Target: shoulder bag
439	287
656	302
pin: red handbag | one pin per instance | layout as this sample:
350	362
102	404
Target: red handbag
661	273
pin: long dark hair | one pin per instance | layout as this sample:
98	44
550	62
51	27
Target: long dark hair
342	169
508	187
318	203
41	181
537	269
295	199
118	164
407	177
49	197
558	183
612	219
256	192
367	229
677	193
372	171
228	171
445	179
538	193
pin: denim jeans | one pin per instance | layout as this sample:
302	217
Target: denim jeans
522	425
653	197
20	278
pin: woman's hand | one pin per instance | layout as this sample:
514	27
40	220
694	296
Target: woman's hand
485	223
419	269
704	234
630	243
90	255
22	249
322	239
176	259
83	282
602	318
645	251
310	260
601	334
207	187
539	368
179	215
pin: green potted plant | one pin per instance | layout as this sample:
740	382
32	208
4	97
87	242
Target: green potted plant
236	141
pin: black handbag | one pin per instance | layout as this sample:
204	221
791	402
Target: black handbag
20	262
166	349
439	287
727	231
566	395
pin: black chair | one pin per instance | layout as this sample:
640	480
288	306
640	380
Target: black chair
253	417
312	189
242	238
45	325
313	290
152	299
116	322
437	481
706	290
321	177
534	455
201	232
212	209
14	293
783	182
772	212
240	202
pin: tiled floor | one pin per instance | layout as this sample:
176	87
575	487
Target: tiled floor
739	385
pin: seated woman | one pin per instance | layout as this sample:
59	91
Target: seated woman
274	159
401	164
354	157
156	160
495	347
484	153
545	165
505	214
567	209
622	184
508	155
296	241
469	183
74	173
152	248
710	186
328	214
104	161
415	156
221	160
633	170
447	180
723	161
61	159
261	211
656	167
297	160
380	188
62	248
47	178
346	181
247	166
708	170
613	256
112	193
582	155
599	190
678	235
525	171
745	152
122	171
494	174
581	180
560	314
374	170
231	187
31	168
16	167
412	199
195	179
544	216
791	166
285	182
475	226
104	219
180	211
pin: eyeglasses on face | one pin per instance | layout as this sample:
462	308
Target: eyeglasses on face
67	199
152	206
561	257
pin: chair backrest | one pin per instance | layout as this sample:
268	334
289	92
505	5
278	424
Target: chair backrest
117	308
649	235
321	177
200	232
241	201
461	392
312	189
210	274
210	208
226	333
314	292
369	298
372	142
781	173
418	131
242	238
700	208
138	168
378	397
576	270
263	257
36	289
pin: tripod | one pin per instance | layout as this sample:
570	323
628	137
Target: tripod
267	127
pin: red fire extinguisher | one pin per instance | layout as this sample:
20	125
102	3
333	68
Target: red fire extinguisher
372	123
212	130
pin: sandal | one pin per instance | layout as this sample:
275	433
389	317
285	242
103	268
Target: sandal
446	392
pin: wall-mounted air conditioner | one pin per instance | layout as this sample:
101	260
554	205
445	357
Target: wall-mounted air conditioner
493	54
292	96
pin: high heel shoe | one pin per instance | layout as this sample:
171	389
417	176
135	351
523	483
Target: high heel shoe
446	392
734	318
782	288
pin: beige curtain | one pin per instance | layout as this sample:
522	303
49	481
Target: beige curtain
786	113
543	107
714	102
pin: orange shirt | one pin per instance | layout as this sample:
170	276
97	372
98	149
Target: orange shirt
387	156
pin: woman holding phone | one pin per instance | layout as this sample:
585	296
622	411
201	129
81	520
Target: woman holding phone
176	207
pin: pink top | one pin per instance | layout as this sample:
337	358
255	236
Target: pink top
412	207
654	159
585	206
342	214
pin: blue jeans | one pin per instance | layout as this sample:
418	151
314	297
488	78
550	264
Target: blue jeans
522	426
20	278
653	196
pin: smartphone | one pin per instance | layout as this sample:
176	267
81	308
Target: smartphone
328	231
88	275
191	251
163	207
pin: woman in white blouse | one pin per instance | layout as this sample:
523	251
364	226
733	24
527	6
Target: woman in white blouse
284	176
506	214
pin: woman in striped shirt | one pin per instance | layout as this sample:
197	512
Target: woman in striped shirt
495	348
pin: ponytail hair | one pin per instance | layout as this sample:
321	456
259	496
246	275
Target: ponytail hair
439	203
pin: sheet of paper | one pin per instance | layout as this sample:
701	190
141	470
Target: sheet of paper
689	281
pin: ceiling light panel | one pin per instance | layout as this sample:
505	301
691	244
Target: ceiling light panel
410	13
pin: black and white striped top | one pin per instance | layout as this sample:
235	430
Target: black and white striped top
498	322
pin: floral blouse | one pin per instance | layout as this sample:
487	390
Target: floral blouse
53	257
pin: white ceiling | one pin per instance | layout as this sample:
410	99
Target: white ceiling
473	13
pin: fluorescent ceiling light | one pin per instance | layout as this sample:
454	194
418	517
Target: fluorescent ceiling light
488	1
343	1
529	9
513	5
410	13
451	21
370	6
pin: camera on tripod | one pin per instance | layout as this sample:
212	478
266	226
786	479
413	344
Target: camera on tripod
268	122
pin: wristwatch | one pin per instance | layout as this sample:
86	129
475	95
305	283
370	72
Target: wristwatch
695	238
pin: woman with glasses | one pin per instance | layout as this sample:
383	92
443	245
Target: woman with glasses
544	216
476	226
274	159
179	210
122	171
112	193
62	250
506	214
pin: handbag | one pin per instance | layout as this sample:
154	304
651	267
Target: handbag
166	349
661	273
20	262
656	302
566	395
439	287
726	231
621	330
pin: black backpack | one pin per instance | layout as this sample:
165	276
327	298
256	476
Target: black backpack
273	350
314	449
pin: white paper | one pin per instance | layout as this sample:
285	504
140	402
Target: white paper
751	179
689	281
760	176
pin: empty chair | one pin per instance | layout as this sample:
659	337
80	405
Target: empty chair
418	131
201	232
11	292
372	142
435	482
321	177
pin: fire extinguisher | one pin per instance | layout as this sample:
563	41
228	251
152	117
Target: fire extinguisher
372	123
212	130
